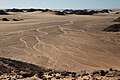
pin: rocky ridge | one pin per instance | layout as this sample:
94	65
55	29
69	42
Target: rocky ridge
17	70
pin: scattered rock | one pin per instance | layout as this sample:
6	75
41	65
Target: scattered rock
95	73
99	73
4	69
44	78
74	74
65	73
49	78
73	79
113	73
13	70
40	74
96	78
84	73
57	77
117	73
110	74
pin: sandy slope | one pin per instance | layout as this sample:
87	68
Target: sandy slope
61	42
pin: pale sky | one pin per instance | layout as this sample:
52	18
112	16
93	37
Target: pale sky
61	4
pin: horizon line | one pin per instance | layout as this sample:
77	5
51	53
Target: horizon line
62	8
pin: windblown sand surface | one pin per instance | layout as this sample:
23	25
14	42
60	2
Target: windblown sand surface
61	42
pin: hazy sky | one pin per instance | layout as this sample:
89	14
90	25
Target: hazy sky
60	4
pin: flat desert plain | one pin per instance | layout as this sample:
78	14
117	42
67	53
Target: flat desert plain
71	42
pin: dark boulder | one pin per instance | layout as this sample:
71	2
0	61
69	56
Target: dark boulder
15	20
103	73
113	28
110	69
5	19
117	13
59	13
105	11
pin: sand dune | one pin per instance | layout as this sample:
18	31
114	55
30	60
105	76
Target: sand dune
61	42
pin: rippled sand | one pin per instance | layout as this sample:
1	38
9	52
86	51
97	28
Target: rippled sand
61	42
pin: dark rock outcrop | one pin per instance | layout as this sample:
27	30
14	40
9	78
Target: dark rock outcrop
20	68
67	11
81	12
105	11
117	13
59	13
31	10
103	72
5	19
4	69
113	28
12	69
14	10
64	12
15	20
85	12
2	12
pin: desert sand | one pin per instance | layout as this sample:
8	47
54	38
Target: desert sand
71	42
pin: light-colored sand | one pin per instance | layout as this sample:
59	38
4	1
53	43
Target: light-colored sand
61	42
